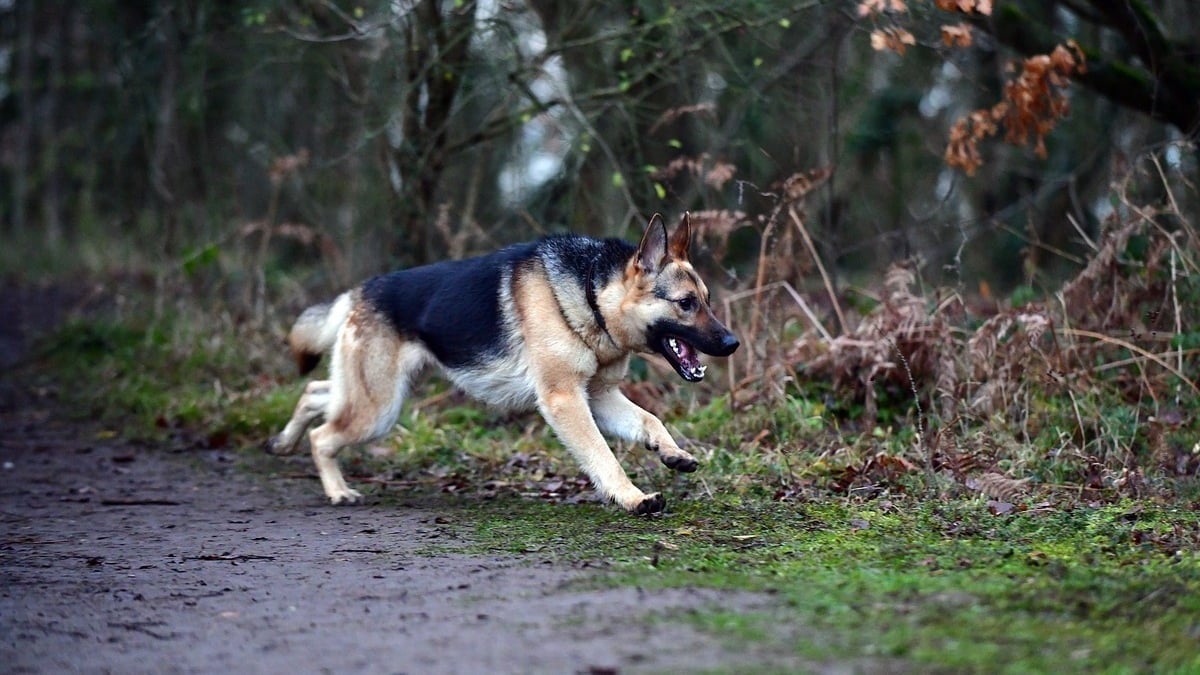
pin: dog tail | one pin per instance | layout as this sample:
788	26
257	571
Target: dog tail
316	330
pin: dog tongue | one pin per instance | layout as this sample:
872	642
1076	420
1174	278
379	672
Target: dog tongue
687	355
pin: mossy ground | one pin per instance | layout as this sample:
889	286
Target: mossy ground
941	583
908	565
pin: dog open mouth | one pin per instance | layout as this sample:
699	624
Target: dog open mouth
684	357
681	345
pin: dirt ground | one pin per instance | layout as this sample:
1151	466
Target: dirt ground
122	558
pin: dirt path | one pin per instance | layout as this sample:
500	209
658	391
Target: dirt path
124	559
121	558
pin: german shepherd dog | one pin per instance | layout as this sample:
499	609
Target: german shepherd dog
549	324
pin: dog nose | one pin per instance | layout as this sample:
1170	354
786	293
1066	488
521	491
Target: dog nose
729	344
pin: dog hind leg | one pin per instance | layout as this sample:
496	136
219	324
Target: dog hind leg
370	373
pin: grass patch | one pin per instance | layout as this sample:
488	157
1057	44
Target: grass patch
160	377
944	584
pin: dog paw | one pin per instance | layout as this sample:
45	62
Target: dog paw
681	463
652	503
275	446
346	496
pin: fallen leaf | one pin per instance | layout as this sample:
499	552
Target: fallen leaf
999	508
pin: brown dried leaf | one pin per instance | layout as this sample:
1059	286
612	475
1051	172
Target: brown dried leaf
287	164
1000	508
708	108
719	174
958	35
874	7
983	7
1033	103
891	38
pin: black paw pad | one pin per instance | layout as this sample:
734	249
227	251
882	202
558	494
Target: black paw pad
654	503
682	464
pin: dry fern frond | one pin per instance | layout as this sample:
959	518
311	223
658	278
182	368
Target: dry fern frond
998	486
1092	286
798	185
1001	357
900	342
720	174
668	116
965	457
714	172
714	227
946	382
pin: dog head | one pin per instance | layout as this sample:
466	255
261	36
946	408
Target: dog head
668	303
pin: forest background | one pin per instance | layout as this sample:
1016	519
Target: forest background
957	237
252	158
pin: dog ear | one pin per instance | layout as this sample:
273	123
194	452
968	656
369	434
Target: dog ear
681	239
653	248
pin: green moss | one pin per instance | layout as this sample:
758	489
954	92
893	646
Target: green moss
944	584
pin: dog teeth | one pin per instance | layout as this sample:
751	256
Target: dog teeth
675	347
696	371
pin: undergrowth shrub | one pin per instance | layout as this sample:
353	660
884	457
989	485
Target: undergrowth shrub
1090	392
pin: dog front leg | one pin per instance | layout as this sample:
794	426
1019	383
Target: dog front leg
566	410
624	419
310	408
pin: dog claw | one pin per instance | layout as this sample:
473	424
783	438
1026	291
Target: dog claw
349	498
654	503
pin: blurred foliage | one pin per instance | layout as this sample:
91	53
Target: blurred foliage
353	137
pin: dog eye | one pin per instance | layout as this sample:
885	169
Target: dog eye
687	304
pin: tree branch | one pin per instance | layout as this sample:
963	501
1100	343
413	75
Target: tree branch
1174	100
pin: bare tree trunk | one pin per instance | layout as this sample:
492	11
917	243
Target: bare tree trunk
49	133
25	93
436	60
164	152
